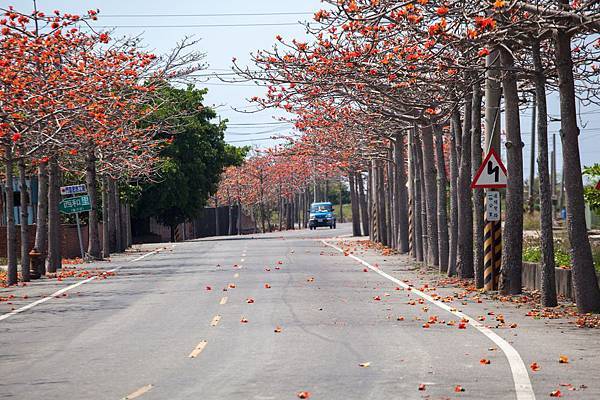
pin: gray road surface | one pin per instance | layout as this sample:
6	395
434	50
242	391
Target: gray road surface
132	334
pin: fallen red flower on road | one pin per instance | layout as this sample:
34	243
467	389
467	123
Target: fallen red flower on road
562	359
534	366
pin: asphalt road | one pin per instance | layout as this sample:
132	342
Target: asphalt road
312	317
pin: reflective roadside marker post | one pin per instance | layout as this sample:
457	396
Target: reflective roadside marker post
491	176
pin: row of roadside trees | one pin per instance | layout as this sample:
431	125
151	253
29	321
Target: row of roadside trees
407	97
78	105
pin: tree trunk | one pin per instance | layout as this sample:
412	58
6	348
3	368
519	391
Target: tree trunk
401	193
123	219
261	205
172	229
117	216
41	226
93	233
442	212
54	231
417	202
380	195
476	160
512	248
424	236
587	293
386	217
239	217
429	172
386	174
24	222
464	259
128	225
11	230
229	219
341	201
548	283
280	208
112	222
354	205
105	218
456	133
364	211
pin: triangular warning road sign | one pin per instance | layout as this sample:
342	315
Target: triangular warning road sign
491	173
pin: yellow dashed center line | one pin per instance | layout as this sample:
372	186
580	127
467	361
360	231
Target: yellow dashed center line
138	393
215	320
198	349
223	300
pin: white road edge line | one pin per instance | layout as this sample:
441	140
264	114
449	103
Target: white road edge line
66	289
523	387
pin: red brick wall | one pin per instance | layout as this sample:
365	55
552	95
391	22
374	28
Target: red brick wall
69	244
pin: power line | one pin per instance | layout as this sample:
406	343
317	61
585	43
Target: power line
250	140
254	133
227	84
198	26
260	123
202	15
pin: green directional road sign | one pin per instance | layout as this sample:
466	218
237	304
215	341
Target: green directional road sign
73	205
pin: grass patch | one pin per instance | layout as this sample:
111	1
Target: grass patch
347	212
531	222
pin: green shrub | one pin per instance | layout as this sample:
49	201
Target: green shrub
534	254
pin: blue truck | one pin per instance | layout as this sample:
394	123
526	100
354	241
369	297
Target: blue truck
321	214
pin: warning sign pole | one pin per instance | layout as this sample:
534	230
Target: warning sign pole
493	229
488	256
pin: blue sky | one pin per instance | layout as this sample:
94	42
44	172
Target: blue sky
221	44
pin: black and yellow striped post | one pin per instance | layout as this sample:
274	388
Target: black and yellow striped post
488	256
497	253
410	226
492	246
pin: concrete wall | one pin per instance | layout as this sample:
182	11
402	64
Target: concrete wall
532	273
203	226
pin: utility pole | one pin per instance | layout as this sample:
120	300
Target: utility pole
532	158
553	170
341	201
314	183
